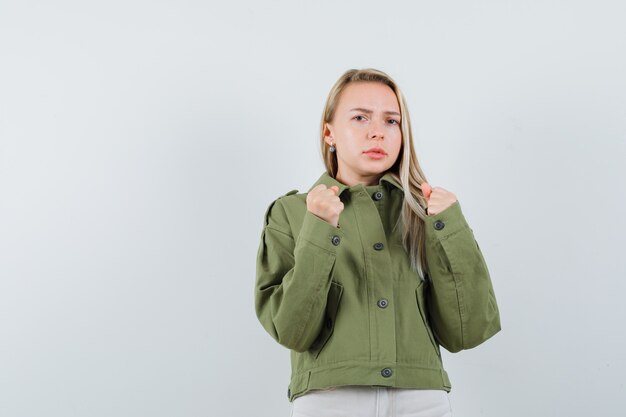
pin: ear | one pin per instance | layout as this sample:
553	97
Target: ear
328	133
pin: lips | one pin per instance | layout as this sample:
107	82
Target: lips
376	150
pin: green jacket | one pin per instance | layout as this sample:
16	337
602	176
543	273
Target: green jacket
346	303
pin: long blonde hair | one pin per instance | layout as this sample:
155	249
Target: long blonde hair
406	168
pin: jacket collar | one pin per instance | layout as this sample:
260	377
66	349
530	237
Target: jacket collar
329	181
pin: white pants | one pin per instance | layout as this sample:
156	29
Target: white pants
372	401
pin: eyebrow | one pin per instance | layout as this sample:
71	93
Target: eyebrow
369	111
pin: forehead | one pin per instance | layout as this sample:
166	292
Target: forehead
369	94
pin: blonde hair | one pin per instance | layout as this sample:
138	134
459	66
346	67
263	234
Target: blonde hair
406	169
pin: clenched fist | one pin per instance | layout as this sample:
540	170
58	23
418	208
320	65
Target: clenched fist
325	203
437	199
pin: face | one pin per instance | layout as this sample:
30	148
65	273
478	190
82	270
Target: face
367	116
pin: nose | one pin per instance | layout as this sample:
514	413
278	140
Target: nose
376	130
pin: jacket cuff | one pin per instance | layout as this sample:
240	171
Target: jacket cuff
319	232
448	222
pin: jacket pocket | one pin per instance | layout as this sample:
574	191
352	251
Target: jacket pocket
332	305
421	304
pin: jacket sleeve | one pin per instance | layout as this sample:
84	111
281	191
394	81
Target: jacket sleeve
293	276
461	300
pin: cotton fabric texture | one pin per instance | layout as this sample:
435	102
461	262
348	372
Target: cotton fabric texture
346	303
369	401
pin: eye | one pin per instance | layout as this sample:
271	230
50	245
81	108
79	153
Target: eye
358	116
396	121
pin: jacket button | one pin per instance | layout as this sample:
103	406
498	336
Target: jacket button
439	225
382	303
335	239
386	372
378	195
378	245
329	322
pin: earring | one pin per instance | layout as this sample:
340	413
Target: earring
332	148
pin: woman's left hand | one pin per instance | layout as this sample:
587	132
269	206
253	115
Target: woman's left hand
437	198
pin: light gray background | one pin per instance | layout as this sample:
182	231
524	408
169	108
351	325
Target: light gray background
141	142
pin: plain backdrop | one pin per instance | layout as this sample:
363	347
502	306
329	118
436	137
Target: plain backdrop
141	142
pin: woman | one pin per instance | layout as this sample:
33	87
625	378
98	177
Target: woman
366	275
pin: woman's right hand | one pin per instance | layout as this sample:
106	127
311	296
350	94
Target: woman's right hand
325	203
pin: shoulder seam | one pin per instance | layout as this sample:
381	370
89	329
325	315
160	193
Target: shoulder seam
267	224
279	231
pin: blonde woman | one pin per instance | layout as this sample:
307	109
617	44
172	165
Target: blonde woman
364	276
